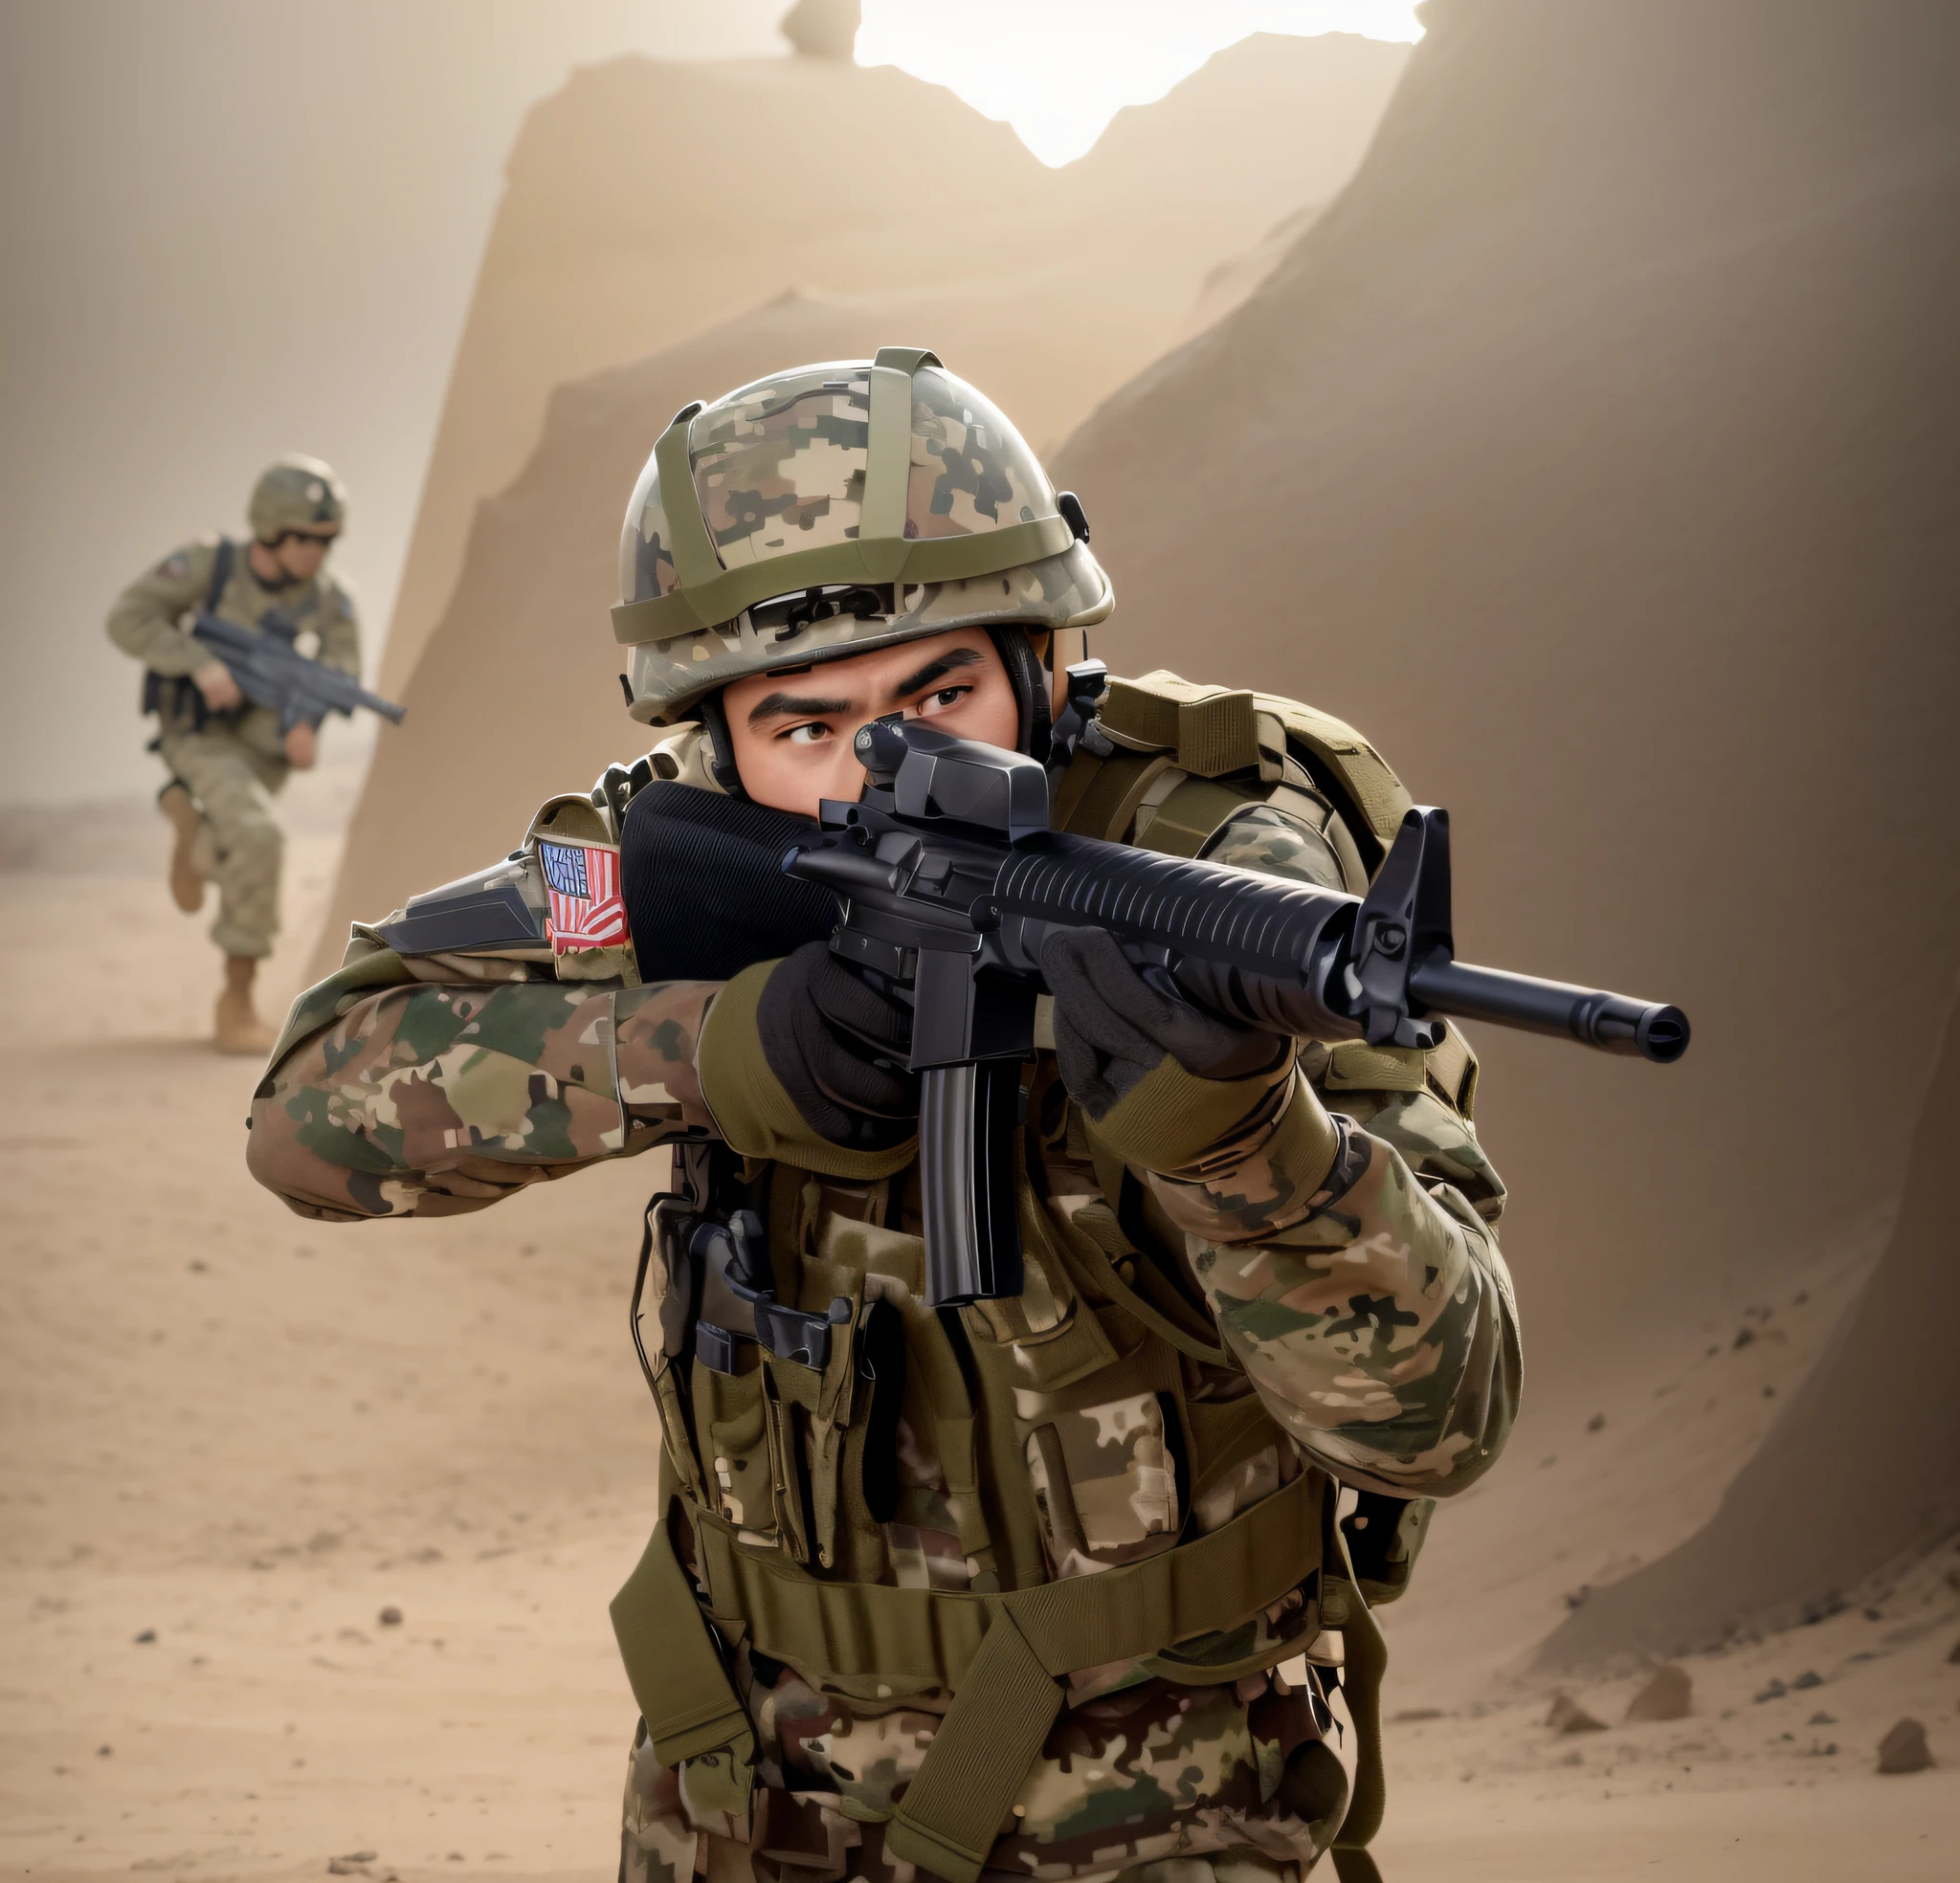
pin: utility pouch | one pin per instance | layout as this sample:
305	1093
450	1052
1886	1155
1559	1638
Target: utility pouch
174	697
663	1260
738	1301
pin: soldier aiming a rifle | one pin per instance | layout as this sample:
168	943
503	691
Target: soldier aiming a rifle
229	755
1037	1572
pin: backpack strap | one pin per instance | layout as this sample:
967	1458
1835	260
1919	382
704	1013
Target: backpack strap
181	690
222	564
675	1668
1365	1660
1213	731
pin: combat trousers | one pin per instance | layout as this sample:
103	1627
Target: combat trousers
655	1846
238	845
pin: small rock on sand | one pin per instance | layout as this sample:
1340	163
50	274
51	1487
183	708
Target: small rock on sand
1903	1749
1665	1695
391	1617
1567	1715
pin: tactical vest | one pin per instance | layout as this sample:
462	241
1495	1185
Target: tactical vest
178	697
779	1466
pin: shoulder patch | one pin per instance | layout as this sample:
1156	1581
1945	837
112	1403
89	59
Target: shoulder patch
174	567
583	883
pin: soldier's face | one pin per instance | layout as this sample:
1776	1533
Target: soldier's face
792	733
300	554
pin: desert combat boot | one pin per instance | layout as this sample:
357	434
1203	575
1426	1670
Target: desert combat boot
238	1029
187	886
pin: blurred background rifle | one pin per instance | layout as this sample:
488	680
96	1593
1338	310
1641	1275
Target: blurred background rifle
272	672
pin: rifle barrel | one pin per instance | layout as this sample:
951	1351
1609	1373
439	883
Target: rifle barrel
1613	1023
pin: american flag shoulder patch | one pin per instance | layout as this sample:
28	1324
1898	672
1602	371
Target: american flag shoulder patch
582	880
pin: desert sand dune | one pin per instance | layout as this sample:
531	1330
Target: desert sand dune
1878	1421
648	201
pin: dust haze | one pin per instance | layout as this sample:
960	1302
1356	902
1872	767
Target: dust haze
1569	401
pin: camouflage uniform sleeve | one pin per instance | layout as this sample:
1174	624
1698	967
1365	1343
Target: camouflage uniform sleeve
1369	1307
340	631
1270	840
1368	1301
428	1100
144	620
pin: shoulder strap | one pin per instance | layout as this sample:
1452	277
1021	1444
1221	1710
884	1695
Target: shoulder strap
222	564
674	1666
1215	730
1355	776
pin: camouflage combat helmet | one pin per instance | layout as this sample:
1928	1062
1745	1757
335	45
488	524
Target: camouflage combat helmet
833	509
297	492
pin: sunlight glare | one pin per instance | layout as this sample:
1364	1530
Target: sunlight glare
1059	70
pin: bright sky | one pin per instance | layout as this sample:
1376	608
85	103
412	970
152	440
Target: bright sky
1059	70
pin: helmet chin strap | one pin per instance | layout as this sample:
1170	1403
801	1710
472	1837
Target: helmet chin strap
721	747
1025	672
1029	676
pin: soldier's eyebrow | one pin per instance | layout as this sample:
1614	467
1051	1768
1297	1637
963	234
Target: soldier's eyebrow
937	670
804	705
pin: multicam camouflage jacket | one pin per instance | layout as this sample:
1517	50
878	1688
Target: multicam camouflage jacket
1190	1341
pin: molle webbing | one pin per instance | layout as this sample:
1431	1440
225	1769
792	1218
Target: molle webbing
1001	1656
1213	731
860	1631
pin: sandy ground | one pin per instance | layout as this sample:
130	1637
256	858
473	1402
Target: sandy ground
230	1440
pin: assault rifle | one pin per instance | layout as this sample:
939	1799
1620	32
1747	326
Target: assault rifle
944	881
272	672
950	880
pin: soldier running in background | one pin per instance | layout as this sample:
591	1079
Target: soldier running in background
226	757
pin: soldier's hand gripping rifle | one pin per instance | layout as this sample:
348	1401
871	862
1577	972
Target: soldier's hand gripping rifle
272	672
950	880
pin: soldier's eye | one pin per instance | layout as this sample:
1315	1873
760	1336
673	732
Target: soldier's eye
946	698
810	732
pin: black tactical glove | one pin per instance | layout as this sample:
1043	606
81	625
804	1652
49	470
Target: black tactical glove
1161	1081
838	1046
